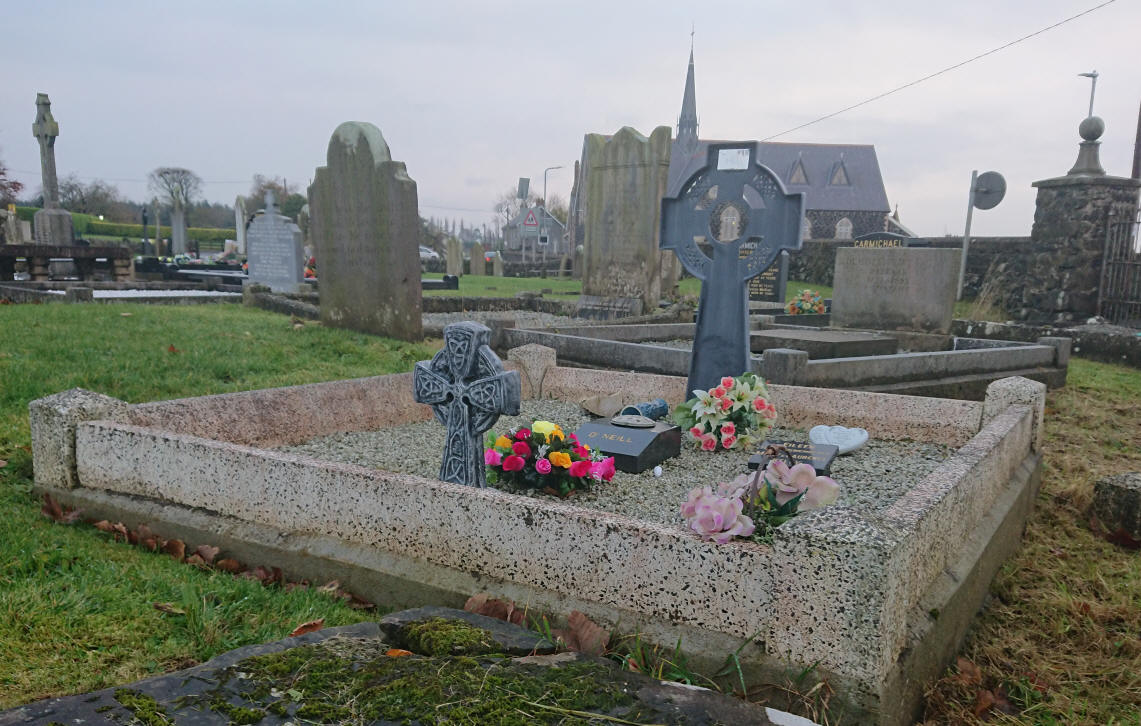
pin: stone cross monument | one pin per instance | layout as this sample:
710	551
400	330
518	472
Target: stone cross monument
53	225
468	390
727	225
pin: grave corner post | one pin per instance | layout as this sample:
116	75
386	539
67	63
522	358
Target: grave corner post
53	422
1016	390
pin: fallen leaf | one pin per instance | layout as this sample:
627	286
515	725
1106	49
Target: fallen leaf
3	463
104	526
330	587
583	635
984	702
51	508
120	530
356	603
632	665
1003	705
125	315
73	516
1123	539
229	565
397	652
291	586
207	553
309	627
167	607
483	604
969	673
172	349
150	543
176	548
195	560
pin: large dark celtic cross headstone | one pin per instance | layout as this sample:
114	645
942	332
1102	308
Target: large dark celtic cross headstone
468	390
731	203
45	129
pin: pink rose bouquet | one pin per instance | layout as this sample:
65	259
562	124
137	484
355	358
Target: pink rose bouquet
732	415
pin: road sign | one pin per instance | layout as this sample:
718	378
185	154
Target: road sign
530	220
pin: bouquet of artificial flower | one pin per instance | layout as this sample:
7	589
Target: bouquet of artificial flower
808	302
732	415
544	458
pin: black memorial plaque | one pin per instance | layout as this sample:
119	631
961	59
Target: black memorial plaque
820	456
770	285
634	449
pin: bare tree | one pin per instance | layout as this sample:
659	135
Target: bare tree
288	202
508	205
179	187
94	197
9	188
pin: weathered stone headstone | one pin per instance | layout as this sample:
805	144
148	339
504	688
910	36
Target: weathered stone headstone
623	181
478	265
240	218
454	254
497	265
468	390
276	257
900	288
365	225
161	249
52	224
179	242
730	202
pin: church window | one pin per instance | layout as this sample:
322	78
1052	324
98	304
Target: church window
844	229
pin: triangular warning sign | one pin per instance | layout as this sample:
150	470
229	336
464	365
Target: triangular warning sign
530	220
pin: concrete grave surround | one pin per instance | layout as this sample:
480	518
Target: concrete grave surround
276	258
365	225
624	179
909	288
878	604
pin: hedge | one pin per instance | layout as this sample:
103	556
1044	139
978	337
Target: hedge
88	224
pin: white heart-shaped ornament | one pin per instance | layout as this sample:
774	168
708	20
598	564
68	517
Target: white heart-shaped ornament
848	440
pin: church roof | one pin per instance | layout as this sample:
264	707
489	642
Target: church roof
824	168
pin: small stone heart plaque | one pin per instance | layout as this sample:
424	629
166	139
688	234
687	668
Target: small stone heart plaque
848	440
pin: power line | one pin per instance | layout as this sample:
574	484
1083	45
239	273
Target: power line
941	72
141	181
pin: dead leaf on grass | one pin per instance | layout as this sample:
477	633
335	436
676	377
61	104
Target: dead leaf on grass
125	315
207	553
167	607
3	463
229	565
104	526
356	603
176	548
583	635
969	673
309	627
51	508
196	561
397	652
984	701
330	587
484	604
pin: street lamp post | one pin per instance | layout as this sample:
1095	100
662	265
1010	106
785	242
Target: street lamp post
541	220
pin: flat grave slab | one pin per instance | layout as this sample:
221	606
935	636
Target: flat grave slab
825	343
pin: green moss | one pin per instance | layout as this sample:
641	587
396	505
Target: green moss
142	707
237	714
355	681
439	636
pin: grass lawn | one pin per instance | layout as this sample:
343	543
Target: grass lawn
1059	639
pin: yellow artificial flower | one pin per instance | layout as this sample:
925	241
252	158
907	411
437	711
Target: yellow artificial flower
503	442
543	427
557	431
560	459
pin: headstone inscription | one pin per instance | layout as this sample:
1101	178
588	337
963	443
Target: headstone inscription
733	200
468	390
770	285
365	226
275	250
820	456
902	288
52	224
887	239
637	443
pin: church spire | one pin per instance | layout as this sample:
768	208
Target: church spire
687	121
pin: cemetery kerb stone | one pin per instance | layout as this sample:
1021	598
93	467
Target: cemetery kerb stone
52	224
468	390
731	202
478	266
624	180
877	605
276	258
900	288
365	225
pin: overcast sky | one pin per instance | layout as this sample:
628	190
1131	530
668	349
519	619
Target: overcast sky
473	95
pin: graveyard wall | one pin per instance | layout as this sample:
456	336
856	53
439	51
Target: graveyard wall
824	221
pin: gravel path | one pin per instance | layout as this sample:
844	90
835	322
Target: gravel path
872	478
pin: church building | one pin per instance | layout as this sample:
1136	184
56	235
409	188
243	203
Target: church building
843	188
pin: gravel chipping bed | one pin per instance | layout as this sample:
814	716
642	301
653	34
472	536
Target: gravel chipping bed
872	478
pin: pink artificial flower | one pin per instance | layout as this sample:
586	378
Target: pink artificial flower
513	463
728	441
580	468
543	466
726	404
573	438
696	432
708	442
727	382
728	429
523	434
521	448
759	404
603	470
717	392
770	412
716	518
789	481
581	452
491	457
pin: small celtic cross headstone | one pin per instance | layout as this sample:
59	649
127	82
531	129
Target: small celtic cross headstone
739	210
468	390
